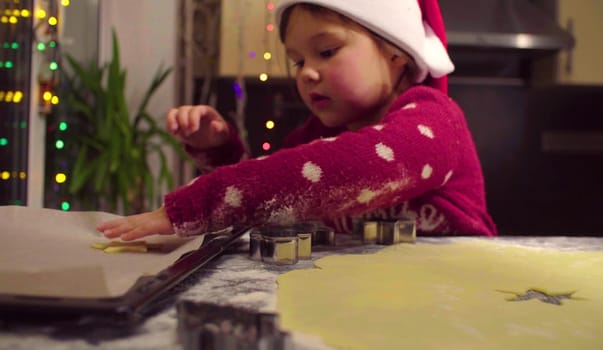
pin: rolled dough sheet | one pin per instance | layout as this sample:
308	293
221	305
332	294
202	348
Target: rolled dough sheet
47	252
451	296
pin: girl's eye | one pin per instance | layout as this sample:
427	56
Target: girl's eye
298	64
328	53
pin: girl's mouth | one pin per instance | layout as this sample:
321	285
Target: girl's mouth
318	100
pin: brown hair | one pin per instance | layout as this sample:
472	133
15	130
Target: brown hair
322	11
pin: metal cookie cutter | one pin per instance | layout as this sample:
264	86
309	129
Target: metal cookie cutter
389	232
287	244
274	244
320	234
206	326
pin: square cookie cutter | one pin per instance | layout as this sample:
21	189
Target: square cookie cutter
287	244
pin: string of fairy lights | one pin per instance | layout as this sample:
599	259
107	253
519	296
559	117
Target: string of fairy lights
30	31
14	92
269	30
265	53
50	17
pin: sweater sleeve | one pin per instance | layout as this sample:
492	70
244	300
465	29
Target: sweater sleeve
411	152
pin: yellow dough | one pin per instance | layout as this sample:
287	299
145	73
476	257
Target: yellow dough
449	296
125	247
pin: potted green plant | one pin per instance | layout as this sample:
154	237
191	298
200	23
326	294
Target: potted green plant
112	170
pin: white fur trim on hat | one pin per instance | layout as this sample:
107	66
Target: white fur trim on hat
398	21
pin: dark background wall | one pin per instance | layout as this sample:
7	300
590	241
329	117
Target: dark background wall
541	154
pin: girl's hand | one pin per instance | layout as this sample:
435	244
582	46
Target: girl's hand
137	226
201	127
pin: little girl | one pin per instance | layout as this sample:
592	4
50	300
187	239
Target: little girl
384	140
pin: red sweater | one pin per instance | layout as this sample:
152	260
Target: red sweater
419	162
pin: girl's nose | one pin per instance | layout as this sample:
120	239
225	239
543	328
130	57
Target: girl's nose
309	74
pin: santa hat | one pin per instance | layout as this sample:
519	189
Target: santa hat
415	26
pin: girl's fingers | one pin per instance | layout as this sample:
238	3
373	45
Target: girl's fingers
116	228
199	126
171	120
183	117
137	226
135	234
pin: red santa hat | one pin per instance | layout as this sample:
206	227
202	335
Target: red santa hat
415	26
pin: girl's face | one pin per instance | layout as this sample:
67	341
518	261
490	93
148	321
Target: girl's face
342	74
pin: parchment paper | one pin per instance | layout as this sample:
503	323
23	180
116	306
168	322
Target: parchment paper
46	252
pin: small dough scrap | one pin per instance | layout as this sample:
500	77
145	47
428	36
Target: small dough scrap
125	247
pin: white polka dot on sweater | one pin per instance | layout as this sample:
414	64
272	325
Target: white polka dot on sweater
411	105
366	196
378	127
425	131
384	152
448	176
233	197
427	171
312	172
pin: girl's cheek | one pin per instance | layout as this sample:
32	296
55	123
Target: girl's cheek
340	79
302	92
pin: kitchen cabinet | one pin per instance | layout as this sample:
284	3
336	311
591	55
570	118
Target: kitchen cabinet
583	65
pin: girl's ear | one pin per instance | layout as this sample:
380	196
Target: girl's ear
399	59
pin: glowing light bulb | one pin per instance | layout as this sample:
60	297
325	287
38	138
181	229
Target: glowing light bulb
3	141
47	96
54	100
59	144
41	46
270	27
13	20
53	66
263	77
60	178
65	3
267	56
53	21
18	97
62	126
270	6
65	206
5	175
266	146
41	13
25	13
22	175
269	124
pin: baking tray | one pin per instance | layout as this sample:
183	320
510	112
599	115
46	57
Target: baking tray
126	310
